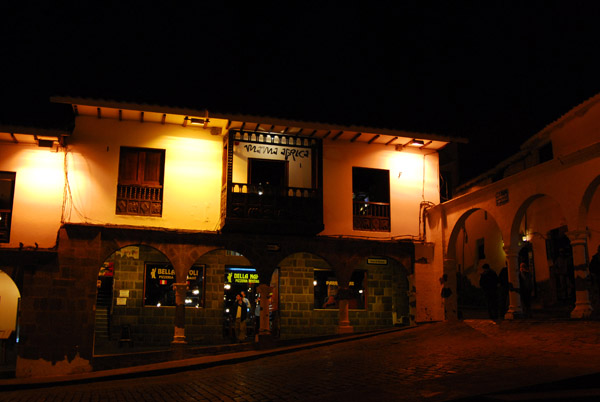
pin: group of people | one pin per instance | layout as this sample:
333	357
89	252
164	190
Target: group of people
497	286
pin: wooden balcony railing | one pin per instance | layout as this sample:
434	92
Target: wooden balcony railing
139	200
284	206
371	216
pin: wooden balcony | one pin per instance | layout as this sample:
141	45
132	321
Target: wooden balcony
269	209
139	200
371	216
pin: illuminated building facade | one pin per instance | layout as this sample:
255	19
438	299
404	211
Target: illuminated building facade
138	228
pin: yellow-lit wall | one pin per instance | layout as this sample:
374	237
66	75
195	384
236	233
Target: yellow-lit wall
9	300
192	181
414	177
38	193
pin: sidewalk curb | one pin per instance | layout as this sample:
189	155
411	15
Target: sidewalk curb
175	366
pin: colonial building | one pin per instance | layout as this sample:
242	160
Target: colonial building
540	207
135	231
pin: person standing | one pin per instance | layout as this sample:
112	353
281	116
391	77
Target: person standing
489	283
240	312
504	289
525	288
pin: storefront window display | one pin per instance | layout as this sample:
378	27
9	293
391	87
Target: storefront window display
326	290
159	280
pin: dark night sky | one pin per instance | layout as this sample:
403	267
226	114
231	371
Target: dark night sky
494	72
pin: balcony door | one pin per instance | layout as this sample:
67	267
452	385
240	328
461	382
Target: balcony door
267	173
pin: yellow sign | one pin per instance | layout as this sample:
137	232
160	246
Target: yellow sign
242	277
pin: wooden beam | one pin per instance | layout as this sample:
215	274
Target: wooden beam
163	119
327	134
300	131
335	137
12	135
392	140
228	124
355	137
373	139
99	112
185	121
272	128
120	115
313	133
257	126
141	117
75	110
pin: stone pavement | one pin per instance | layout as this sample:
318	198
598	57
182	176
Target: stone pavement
431	362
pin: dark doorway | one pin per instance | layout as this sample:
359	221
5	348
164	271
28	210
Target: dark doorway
268	172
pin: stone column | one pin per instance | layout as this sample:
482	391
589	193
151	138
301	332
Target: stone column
264	291
449	293
514	299
583	306
344	294
180	293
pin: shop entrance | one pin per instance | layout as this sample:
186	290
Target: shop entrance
238	280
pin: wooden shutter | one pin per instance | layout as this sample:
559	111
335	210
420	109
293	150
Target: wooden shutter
151	163
129	166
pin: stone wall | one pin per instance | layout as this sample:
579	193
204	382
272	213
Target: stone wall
386	287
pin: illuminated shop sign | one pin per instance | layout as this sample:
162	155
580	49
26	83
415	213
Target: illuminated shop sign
159	280
241	275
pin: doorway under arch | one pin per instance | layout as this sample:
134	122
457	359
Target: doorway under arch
10	298
135	301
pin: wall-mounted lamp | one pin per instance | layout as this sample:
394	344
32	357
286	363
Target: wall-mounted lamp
198	122
416	143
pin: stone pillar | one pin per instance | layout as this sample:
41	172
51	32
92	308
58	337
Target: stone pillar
344	295
180	293
449	293
264	291
514	298
583	306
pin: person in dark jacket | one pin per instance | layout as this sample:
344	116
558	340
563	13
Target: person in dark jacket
525	288
489	283
504	290
239	313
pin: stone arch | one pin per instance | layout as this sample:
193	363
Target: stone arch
475	239
538	232
591	197
129	280
9	314
211	323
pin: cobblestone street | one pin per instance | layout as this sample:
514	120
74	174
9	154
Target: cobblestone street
435	362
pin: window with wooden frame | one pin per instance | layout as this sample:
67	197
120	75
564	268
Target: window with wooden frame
141	176
7	191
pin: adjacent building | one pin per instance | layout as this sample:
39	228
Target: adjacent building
540	208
